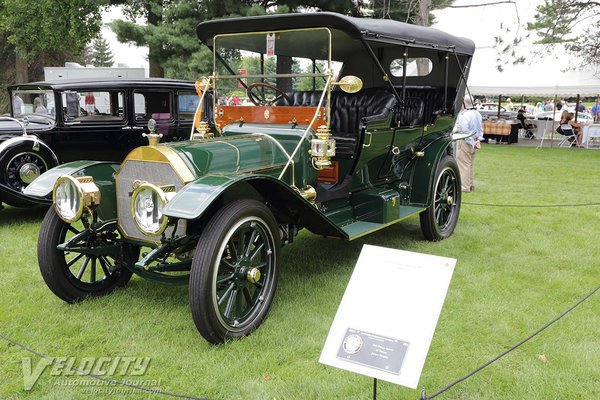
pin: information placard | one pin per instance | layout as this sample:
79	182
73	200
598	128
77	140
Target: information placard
386	319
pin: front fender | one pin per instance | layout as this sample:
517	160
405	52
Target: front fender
102	172
201	196
27	141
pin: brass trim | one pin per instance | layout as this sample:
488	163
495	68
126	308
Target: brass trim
164	154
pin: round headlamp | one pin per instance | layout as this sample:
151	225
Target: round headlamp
68	198
72	195
147	205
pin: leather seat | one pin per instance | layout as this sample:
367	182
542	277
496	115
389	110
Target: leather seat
349	111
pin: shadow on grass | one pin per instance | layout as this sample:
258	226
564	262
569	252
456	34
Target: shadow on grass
10	215
312	254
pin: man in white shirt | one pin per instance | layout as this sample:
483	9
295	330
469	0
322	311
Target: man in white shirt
468	120
18	105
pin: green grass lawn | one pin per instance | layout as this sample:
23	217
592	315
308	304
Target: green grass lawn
517	269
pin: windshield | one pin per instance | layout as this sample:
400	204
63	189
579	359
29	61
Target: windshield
256	68
34	103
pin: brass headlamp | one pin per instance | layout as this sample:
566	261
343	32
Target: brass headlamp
72	195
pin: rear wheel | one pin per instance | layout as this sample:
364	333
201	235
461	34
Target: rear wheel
234	271
439	220
84	271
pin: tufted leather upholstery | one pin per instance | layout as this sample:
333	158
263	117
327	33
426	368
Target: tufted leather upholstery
413	112
348	112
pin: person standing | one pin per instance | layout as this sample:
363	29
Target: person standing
18	105
90	103
509	105
596	111
468	120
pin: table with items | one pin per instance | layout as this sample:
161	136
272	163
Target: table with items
501	131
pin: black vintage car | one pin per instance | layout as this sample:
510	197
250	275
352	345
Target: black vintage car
103	119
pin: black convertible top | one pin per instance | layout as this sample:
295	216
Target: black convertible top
376	30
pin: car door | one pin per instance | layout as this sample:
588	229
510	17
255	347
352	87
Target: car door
92	124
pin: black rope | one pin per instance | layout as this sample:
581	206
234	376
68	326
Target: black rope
99	377
533	205
425	397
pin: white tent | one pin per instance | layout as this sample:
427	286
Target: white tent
538	76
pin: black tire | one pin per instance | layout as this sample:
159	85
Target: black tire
19	167
218	255
439	220
57	270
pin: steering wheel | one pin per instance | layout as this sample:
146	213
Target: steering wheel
259	98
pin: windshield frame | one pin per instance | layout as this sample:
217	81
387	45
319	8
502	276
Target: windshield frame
325	75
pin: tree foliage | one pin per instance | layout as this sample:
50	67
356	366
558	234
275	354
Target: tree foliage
575	23
101	55
32	27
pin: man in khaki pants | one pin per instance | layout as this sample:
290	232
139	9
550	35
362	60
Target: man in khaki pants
468	120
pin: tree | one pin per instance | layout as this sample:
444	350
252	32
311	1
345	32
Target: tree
56	25
101	56
557	21
171	32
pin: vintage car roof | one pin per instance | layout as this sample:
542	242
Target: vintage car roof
378	30
103	83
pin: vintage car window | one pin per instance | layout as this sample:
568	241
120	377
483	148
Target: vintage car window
33	102
93	106
265	59
420	66
152	104
187	103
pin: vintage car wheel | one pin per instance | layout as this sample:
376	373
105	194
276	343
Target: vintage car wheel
20	167
439	220
234	271
72	276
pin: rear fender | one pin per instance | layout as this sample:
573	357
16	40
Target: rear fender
207	194
422	182
102	172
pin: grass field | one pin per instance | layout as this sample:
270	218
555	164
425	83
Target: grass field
517	269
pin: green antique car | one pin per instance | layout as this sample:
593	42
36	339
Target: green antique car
339	157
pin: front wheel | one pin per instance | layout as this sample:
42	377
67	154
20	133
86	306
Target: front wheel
20	167
439	220
85	270
234	271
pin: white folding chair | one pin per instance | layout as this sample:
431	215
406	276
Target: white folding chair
569	136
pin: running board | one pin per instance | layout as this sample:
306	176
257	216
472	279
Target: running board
361	228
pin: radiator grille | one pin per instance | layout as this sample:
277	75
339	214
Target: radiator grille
158	173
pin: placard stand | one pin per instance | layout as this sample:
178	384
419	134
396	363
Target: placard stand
384	324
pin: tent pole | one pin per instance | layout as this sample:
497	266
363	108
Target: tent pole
553	115
577	107
499	102
522	101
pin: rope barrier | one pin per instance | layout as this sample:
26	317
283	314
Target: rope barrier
99	377
532	205
423	393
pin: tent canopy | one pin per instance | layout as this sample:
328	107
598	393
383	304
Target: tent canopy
546	75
